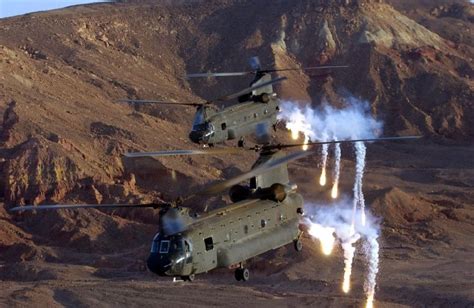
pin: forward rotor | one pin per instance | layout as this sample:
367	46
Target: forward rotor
265	71
85	206
209	102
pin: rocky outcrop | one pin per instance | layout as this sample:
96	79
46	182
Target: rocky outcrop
37	173
10	118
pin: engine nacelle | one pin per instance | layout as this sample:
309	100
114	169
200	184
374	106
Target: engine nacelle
238	193
276	192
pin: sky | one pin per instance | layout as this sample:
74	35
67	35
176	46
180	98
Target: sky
18	7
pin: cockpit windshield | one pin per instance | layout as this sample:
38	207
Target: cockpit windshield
164	246
169	245
198	119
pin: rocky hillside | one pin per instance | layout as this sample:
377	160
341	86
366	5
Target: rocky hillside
63	71
63	133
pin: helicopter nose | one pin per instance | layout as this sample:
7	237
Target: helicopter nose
158	264
195	136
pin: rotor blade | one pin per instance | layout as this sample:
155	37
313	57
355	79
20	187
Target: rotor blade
185	152
208	75
146	101
232	74
82	206
248	90
305	68
220	186
284	146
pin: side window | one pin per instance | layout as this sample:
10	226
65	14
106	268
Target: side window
209	243
164	246
223	126
155	244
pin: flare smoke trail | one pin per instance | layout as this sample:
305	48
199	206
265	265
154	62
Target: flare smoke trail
359	198
372	252
324	160
339	218
349	251
337	170
328	123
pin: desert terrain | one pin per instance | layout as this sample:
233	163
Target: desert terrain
63	135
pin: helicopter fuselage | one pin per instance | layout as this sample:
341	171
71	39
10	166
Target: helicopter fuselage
227	236
234	122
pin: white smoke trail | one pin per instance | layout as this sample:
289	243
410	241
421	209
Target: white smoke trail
324	160
359	198
337	170
339	219
352	122
349	251
372	252
323	124
305	143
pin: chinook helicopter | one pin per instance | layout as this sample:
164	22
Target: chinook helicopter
256	111
264	215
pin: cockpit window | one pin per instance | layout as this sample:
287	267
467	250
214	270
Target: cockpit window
201	127
164	246
178	245
198	119
209	243
155	243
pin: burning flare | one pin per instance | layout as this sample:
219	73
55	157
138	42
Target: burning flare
297	123
322	178
295	134
331	223
349	251
306	140
325	235
370	301
334	190
354	121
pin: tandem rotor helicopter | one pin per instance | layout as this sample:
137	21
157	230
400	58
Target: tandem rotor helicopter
256	112
266	210
264	215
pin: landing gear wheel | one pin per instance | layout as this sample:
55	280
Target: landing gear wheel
245	274
298	245
242	274
189	278
241	143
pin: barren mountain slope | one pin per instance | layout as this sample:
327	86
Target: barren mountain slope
63	135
